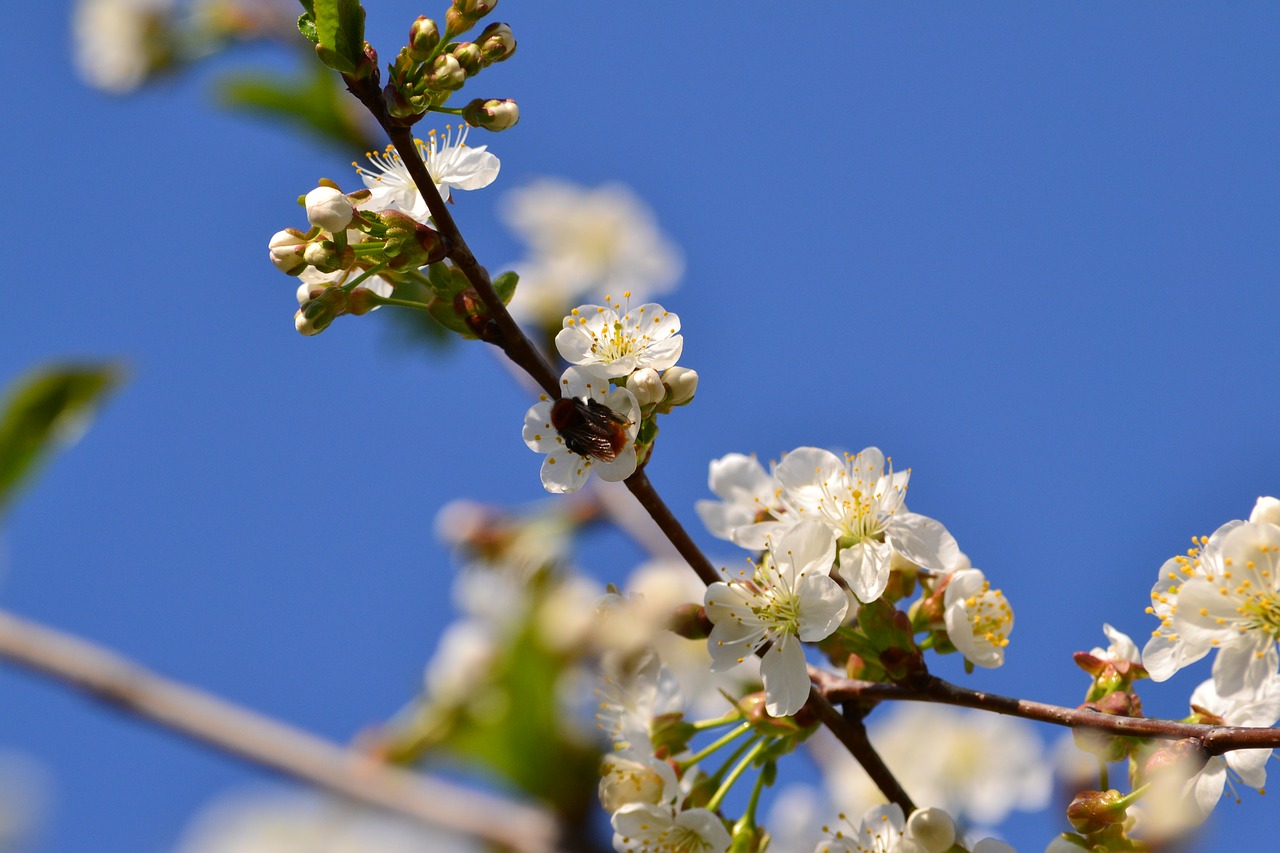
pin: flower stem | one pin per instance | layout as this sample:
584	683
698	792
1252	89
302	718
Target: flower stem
363	277
403	303
704	725
723	740
749	816
738	770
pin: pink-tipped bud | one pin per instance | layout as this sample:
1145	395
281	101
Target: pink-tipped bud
285	248
424	35
497	43
469	57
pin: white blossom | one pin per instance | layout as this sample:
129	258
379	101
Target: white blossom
592	427
644	828
791	599
278	823
629	777
865	510
976	766
1121	648
749	501
452	164
978	618
881	830
1226	597
1247	766
609	345
584	242
119	42
632	695
656	589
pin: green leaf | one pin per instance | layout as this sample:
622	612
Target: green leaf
307	26
48	407
340	28
316	102
505	285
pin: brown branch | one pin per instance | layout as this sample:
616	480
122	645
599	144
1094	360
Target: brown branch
1215	739
268	743
512	338
521	350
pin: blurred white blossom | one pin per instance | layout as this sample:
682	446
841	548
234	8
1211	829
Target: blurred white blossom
977	766
117	43
585	242
282	823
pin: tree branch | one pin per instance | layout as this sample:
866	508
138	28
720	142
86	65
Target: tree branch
1215	739
268	743
521	350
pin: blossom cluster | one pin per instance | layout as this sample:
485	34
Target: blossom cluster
833	530
623	374
362	245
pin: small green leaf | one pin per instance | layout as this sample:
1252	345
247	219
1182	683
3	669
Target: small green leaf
505	285
48	407
307	26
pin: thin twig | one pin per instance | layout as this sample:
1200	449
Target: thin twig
849	732
269	743
1215	739
521	350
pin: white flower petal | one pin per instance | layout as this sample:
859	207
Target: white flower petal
785	676
923	541
865	568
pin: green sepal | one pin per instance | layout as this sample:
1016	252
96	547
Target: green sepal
442	311
45	408
447	281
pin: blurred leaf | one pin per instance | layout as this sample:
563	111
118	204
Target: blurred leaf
48	407
316	102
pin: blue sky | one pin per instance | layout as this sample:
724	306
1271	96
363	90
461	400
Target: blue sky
1029	250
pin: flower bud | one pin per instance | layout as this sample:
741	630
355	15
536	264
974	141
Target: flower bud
1092	811
469	57
753	708
496	43
314	317
1183	758
324	256
682	384
362	300
285	248
446	73
933	829
690	621
492	114
424	35
328	208
474	9
1266	510
647	387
